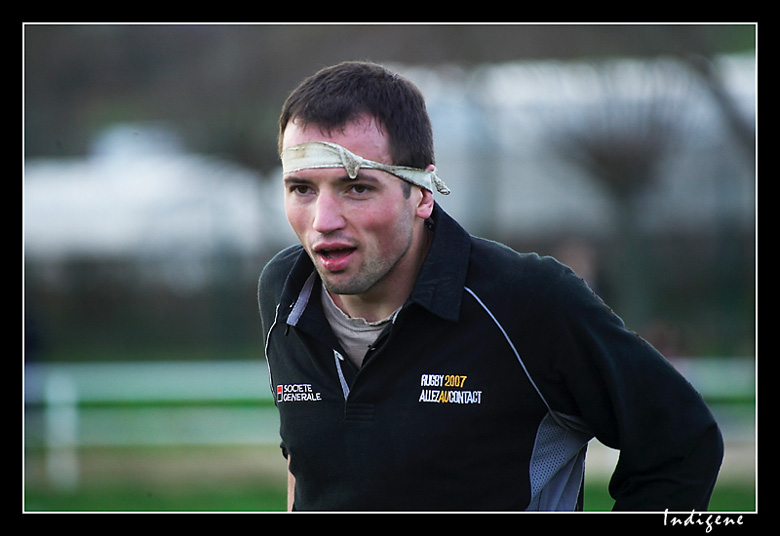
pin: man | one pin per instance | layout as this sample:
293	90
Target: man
416	367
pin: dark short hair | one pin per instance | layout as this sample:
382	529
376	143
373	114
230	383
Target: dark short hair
336	95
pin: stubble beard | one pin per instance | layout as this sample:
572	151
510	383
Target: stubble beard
368	274
365	279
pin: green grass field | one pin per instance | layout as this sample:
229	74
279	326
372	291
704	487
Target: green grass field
271	498
265	497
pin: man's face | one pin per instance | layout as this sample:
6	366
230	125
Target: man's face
358	232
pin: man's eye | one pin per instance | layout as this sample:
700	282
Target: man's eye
300	189
360	188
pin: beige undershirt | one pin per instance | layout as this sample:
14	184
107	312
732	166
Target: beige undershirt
354	334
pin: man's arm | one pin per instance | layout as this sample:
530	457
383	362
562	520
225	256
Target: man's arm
290	487
631	398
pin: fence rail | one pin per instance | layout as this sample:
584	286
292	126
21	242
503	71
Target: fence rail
73	405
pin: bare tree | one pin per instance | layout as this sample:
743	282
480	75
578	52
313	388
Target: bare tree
634	121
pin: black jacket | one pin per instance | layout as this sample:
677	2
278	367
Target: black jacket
482	395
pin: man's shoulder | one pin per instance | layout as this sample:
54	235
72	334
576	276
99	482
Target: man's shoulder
283	260
275	272
510	276
503	261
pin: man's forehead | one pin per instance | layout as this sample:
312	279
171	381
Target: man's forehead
314	155
322	155
362	135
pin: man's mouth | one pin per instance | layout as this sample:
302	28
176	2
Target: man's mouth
334	258
336	253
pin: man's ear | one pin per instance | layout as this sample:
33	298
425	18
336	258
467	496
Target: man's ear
425	205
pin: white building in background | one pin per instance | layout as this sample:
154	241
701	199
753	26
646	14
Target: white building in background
140	197
141	194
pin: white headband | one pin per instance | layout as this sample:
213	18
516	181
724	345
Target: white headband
320	154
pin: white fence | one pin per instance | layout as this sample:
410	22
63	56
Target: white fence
99	404
69	406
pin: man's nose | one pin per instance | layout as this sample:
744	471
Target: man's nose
328	214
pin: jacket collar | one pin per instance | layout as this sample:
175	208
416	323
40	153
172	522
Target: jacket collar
439	286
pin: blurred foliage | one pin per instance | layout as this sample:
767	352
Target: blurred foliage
223	85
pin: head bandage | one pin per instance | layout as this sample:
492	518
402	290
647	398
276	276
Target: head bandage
319	154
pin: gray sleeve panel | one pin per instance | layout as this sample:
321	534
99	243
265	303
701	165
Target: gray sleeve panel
557	467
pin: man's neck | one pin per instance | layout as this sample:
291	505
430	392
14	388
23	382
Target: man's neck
358	306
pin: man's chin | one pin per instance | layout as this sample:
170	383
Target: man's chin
342	285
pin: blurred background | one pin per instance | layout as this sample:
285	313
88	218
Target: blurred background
151	201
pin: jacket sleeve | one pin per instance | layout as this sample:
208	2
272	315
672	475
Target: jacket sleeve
633	400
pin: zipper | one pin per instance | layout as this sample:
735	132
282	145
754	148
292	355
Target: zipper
339	360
